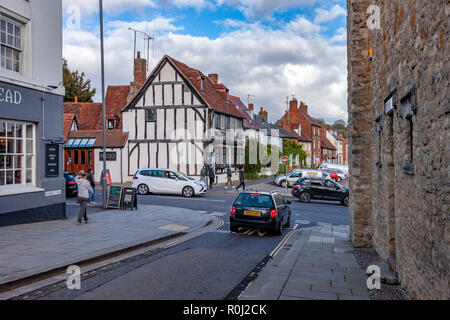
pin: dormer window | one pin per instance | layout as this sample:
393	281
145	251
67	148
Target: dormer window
202	84
228	95
111	124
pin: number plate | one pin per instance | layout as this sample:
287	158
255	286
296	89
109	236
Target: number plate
252	213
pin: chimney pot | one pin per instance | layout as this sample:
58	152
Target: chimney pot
138	54
76	99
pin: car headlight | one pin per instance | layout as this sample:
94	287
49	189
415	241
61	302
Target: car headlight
199	184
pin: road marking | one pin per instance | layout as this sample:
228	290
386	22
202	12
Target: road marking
302	221
324	224
295	227
321	239
219	214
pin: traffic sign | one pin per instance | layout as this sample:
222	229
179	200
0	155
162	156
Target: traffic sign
284	160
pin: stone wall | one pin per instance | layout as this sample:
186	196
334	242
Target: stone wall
407	153
360	121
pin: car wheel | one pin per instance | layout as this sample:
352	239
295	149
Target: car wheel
339	179
283	184
188	192
233	228
143	189
279	228
345	201
305	197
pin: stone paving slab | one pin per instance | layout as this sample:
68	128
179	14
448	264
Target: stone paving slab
319	270
31	249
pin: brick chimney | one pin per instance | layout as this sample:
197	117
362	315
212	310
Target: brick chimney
250	106
214	77
303	107
266	115
263	114
140	75
293	104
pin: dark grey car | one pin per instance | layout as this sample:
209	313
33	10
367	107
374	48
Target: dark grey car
260	210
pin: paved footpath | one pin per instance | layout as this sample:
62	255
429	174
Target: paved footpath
315	263
32	249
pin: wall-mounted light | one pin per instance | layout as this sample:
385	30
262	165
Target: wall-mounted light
371	57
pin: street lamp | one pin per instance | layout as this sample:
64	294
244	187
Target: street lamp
104	185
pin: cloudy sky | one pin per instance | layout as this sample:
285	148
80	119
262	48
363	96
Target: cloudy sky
266	48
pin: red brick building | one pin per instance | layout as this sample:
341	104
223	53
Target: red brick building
299	121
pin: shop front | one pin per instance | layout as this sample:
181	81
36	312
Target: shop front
31	174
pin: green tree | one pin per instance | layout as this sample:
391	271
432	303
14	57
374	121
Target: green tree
294	148
76	85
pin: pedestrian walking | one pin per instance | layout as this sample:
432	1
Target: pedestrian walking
229	175
203	175
212	176
90	177
241	179
84	189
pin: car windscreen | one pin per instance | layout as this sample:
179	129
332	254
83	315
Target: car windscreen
254	200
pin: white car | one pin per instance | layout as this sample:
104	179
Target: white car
166	181
294	175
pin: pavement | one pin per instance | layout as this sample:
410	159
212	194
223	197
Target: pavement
32	249
314	264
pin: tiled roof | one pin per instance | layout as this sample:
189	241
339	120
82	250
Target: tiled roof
68	119
249	123
193	76
326	143
210	94
115	100
113	138
88	114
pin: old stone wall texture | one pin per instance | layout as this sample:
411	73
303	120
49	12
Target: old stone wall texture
407	178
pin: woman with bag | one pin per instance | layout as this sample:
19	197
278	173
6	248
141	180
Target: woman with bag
84	191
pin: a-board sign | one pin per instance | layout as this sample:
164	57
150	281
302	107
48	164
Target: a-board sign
114	197
129	199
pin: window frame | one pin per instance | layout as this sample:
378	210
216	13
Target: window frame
24	155
14	48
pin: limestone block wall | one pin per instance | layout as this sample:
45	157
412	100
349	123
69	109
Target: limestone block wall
407	149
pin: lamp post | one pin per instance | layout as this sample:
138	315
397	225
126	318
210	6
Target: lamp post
104	185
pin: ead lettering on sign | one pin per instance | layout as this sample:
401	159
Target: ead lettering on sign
9	96
200	310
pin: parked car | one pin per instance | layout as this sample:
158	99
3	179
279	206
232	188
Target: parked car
294	175
334	166
166	181
71	185
331	174
260	210
342	175
307	189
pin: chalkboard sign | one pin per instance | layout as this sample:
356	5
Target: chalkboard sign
129	199
51	160
114	197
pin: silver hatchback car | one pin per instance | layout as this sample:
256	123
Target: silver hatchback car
167	181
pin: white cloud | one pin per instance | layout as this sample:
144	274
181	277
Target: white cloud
269	64
323	15
264	8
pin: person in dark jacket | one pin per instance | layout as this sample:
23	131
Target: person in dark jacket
241	178
91	179
229	175
212	176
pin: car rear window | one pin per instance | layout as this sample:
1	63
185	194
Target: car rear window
254	200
